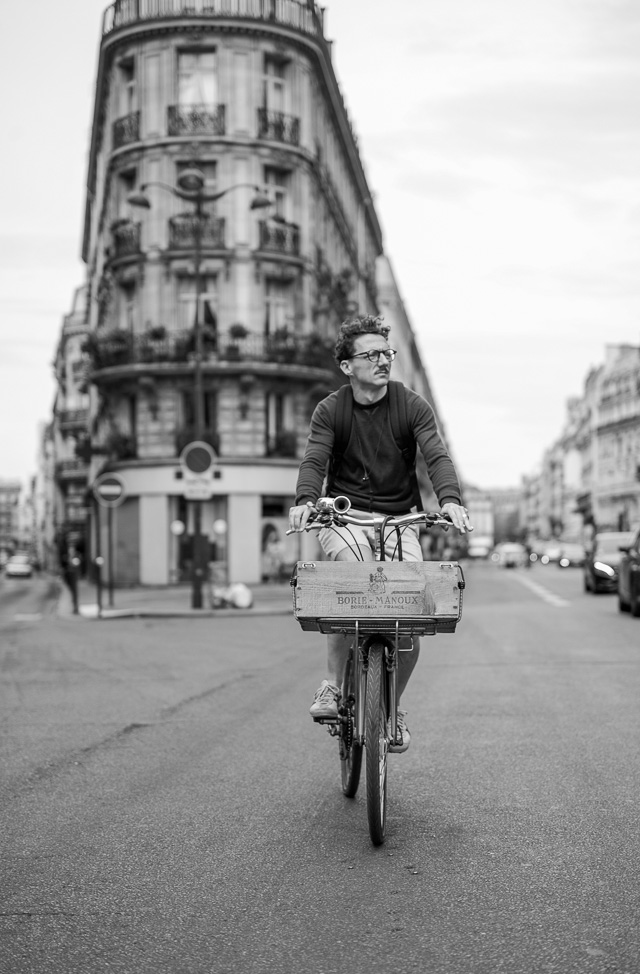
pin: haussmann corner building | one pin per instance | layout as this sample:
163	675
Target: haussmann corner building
244	94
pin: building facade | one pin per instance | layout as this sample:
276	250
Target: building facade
589	478
212	313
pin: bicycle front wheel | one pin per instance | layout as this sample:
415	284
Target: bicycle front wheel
350	750
377	743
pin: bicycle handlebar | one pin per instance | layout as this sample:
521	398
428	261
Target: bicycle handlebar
334	510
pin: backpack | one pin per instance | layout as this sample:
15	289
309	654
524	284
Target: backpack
399	427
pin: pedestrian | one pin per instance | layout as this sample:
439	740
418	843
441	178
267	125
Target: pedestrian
370	459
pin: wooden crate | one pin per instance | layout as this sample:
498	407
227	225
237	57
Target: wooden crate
425	597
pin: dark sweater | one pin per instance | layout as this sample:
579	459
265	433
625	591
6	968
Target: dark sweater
373	473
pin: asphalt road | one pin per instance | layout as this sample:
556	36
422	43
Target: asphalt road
168	807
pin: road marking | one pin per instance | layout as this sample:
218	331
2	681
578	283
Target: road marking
544	593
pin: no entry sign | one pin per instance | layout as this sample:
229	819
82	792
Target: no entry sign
108	490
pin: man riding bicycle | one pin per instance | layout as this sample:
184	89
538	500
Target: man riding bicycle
375	472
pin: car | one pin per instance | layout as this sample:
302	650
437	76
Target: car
510	555
602	562
552	551
571	556
629	577
18	566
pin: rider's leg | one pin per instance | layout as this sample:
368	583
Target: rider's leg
411	551
338	645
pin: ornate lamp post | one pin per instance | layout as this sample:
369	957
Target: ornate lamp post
190	187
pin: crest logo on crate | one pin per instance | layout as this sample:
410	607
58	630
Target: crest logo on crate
377	582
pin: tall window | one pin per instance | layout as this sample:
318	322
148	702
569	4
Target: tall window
279	414
187	304
277	184
127	72
197	81
210	404
127	309
278	306
274	86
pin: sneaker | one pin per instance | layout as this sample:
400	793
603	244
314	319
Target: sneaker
403	733
325	702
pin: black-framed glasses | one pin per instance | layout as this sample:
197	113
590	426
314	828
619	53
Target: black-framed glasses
374	354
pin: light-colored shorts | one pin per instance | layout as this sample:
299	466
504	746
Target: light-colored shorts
351	536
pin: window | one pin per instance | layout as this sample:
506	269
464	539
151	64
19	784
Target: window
127	73
279	306
187	304
197	81
127	309
279	413
277	186
210	404
274	85
126	184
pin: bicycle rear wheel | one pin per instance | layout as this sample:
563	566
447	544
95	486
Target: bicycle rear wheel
376	742
350	751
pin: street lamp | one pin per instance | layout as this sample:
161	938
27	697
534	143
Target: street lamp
190	187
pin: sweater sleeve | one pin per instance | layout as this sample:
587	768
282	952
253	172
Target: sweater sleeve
313	467
440	468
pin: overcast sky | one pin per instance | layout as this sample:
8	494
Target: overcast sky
502	146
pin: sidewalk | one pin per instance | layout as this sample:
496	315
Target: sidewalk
170	601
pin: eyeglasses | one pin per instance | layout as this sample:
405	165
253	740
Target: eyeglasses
374	354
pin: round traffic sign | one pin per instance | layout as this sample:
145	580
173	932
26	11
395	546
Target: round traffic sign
198	457
109	490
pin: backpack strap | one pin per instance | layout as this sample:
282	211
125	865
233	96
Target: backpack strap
342	432
403	435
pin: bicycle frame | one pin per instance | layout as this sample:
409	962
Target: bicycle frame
404	599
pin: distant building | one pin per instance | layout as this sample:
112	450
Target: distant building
10	492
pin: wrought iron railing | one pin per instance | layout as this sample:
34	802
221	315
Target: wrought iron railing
281	238
126	130
196	120
71	468
126	238
73	418
278	127
183	231
118	347
299	14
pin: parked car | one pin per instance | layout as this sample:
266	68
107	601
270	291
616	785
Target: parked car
18	566
603	560
629	577
510	554
571	556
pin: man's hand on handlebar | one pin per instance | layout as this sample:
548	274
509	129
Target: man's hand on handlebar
459	516
298	516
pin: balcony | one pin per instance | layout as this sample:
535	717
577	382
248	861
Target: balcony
297	14
278	127
119	348
72	470
183	232
193	120
126	238
126	130
73	419
279	238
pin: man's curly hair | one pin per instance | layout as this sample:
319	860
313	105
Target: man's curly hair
351	328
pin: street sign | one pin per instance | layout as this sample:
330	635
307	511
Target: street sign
108	490
198	460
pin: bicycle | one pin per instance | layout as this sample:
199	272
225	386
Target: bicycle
377	608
